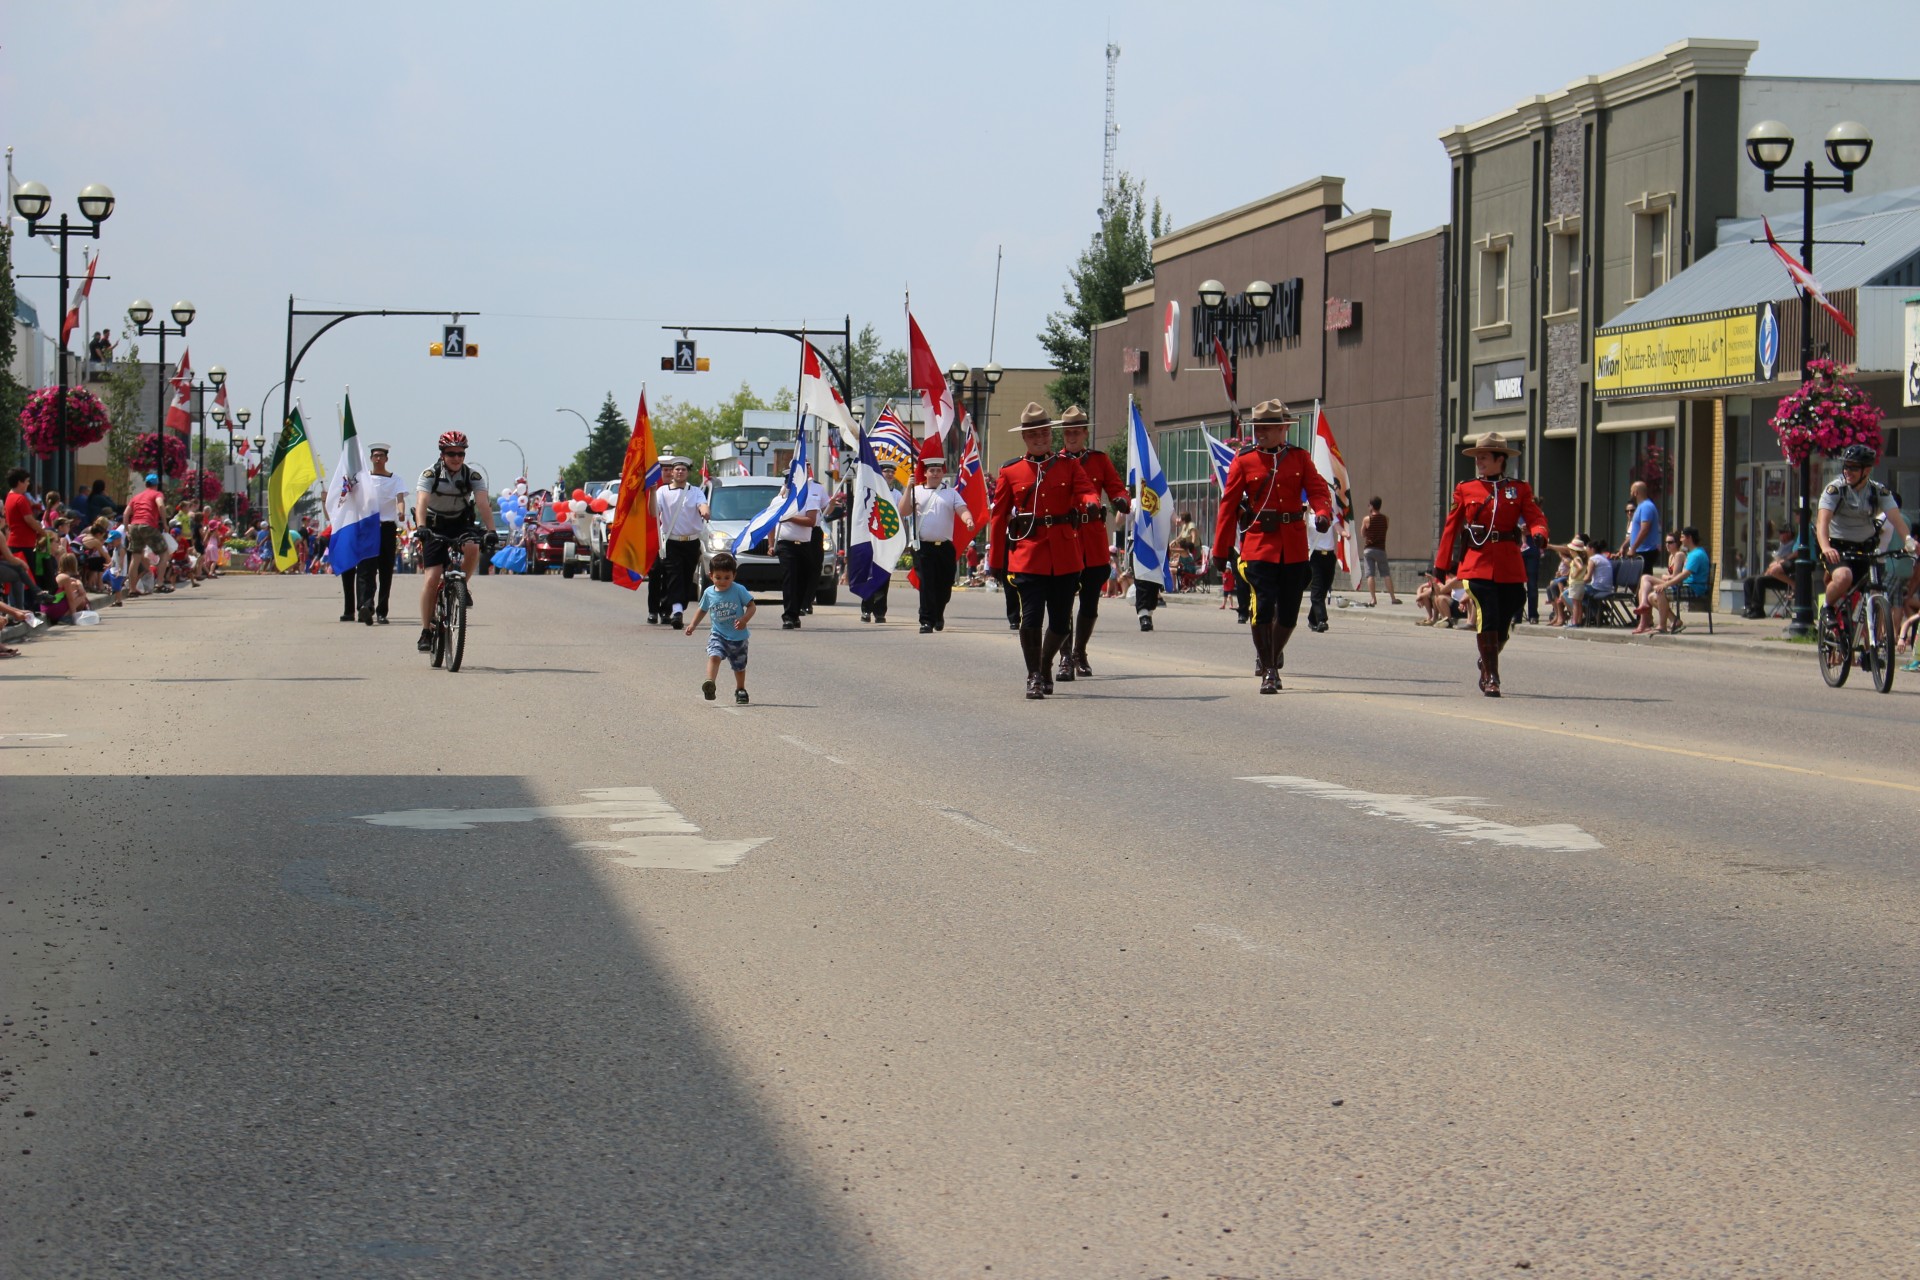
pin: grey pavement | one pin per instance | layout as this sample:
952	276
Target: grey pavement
323	963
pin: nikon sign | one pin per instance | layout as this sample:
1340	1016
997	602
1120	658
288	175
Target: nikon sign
1663	357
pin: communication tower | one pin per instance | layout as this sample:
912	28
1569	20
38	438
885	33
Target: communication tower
1113	130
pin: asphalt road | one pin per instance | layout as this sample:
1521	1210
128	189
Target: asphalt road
323	963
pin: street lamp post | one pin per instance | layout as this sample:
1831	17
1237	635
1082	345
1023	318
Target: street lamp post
1769	144
751	449
523	459
141	312
237	425
260	450
1222	323
977	385
216	378
32	202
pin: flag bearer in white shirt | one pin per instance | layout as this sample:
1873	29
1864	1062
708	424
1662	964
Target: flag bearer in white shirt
390	499
938	508
682	512
793	544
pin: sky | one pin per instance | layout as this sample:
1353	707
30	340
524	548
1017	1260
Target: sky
576	175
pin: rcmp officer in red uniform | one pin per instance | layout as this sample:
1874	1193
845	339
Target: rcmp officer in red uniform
1095	553
1265	486
1491	516
1038	504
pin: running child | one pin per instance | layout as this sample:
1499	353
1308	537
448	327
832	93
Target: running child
732	607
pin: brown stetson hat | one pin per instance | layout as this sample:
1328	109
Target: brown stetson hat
1032	416
1273	411
1491	442
1075	416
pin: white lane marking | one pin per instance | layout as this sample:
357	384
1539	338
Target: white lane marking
807	747
641	808
1227	934
988	830
676	853
28	737
668	842
1431	812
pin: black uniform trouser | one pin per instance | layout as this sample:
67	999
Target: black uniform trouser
1276	586
1146	596
935	562
678	559
795	583
1093	581
377	570
876	604
816	548
657	587
1497	606
1049	596
1320	566
1012	594
350	589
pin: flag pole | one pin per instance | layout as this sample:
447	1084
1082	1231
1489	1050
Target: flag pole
913	520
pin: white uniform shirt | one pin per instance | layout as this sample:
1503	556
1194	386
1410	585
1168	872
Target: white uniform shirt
810	502
678	511
937	511
1318	541
388	493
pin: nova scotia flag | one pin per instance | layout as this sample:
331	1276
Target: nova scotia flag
1152	508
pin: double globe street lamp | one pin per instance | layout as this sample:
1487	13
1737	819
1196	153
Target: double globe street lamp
238	425
216	378
140	313
977	385
1769	147
751	450
1223	327
32	202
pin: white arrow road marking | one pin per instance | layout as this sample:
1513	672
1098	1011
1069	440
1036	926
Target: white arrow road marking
668	842
1431	812
641	808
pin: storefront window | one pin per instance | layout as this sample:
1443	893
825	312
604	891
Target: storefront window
1634	455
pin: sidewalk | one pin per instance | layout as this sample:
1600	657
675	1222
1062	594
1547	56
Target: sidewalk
1731	632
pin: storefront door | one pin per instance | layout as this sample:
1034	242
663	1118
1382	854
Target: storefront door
1762	514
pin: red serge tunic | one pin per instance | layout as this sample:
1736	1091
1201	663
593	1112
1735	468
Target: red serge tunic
1029	519
1270	481
1494	515
1105	479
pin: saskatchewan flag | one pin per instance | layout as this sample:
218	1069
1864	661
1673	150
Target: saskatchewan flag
289	476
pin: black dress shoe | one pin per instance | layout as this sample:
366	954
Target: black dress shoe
879	617
346	617
926	628
866	617
1146	622
366	617
653	620
789	625
1013	625
380	618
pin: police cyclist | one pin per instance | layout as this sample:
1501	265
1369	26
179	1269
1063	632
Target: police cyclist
444	506
1847	528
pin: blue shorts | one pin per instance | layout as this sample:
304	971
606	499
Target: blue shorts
734	651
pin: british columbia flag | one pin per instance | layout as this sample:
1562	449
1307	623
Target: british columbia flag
892	442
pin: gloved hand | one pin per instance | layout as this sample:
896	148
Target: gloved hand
489	540
1913	545
1323	523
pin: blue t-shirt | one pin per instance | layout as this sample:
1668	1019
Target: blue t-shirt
1644	531
1697	570
724	606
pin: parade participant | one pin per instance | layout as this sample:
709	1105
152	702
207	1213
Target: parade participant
1037	506
450	501
1494	513
390	500
1096	556
793	546
1263	492
938	508
1847	527
731	607
683	520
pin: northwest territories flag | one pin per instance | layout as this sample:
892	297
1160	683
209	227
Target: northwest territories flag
761	527
879	534
1152	511
352	506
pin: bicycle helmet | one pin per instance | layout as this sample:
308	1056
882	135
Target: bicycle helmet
1858	455
453	440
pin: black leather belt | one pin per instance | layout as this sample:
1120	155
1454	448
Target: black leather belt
1511	535
1095	513
935	542
1266	521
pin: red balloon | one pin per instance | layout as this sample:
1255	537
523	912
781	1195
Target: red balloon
581	494
597	506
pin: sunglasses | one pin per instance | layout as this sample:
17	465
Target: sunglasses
453	453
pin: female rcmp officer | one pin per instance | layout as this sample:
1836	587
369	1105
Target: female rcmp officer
1492	513
1034	541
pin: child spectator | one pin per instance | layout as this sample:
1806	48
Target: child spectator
731	606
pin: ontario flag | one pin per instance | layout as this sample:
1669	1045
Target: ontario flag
179	415
1327	460
930	380
633	545
72	320
972	480
1804	279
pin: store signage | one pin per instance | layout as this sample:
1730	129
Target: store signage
1242	325
1500	385
1767	343
1912	397
1170	339
1342	313
1660	357
1132	360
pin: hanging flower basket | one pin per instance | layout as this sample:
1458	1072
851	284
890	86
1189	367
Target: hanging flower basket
86	421
1827	413
204	486
145	458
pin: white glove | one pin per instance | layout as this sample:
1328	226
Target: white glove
1913	545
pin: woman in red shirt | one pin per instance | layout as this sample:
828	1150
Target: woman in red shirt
1492	513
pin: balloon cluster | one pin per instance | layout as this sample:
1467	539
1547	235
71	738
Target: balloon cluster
513	509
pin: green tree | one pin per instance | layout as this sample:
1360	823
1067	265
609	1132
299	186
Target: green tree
125	387
13	396
692	431
874	371
1120	255
605	450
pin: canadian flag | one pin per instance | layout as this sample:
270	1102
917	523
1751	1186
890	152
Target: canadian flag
821	398
1804	278
240	446
179	416
72	320
930	380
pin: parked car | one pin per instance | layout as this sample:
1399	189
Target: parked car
735	500
557	539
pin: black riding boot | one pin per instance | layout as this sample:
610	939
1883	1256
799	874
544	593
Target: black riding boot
1489	663
1053	644
1277	654
1030	649
1082	632
1065	670
1263	661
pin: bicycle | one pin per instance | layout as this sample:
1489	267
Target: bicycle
450	606
1861	627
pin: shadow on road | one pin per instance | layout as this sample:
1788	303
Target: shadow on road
323	1047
